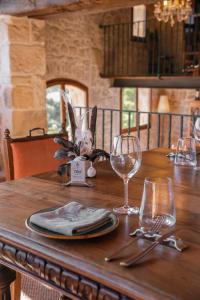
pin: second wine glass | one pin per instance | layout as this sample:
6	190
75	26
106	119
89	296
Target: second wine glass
125	160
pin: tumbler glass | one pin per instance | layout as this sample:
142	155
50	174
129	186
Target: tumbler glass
157	203
197	136
186	152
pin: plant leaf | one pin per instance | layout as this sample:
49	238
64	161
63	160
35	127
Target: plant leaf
93	122
96	153
64	153
63	142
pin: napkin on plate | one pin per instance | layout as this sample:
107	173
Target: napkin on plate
72	219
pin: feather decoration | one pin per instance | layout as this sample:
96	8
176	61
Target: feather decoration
93	121
72	120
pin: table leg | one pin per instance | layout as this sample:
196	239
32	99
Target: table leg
7	276
16	287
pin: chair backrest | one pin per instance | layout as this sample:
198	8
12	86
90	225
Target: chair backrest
29	155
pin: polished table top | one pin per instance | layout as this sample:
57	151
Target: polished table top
165	274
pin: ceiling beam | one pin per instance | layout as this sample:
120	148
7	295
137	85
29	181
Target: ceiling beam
159	82
97	6
27	7
37	8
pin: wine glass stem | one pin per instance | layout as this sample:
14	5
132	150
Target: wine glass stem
125	192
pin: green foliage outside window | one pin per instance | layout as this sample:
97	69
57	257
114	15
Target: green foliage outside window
53	105
129	98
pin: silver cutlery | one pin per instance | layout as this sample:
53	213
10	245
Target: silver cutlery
159	220
135	258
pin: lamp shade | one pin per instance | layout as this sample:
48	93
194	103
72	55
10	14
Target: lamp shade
163	104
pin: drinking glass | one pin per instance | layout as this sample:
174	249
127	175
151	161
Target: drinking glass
186	152
125	160
197	134
197	129
157	202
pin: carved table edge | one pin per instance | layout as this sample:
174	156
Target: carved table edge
69	284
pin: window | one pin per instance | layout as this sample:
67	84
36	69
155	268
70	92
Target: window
128	103
139	22
133	99
54	107
56	111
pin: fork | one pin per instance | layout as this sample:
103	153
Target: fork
159	220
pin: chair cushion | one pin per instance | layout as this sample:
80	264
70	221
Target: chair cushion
34	157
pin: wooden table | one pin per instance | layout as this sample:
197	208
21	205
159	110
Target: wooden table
77	268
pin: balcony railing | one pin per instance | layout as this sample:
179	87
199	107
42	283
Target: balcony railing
151	48
152	128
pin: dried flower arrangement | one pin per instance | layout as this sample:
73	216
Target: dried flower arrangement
82	146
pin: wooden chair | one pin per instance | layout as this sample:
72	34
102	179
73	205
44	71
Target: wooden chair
29	155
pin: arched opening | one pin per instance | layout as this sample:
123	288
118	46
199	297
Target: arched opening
56	110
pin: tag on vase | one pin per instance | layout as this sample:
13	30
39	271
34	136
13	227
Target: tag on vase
78	171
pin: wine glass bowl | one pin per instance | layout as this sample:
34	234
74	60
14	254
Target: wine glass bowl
125	160
124	165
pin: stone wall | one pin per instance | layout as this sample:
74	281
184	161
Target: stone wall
22	70
74	50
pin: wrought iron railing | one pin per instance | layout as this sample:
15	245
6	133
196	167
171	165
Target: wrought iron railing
151	48
153	129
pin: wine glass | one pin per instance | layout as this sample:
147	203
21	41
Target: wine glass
157	205
196	132
125	160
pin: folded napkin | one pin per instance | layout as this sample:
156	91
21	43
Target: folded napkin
72	219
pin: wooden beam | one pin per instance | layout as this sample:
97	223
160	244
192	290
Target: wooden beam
105	5
26	7
36	8
162	82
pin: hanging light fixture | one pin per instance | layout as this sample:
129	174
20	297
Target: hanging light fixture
172	10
